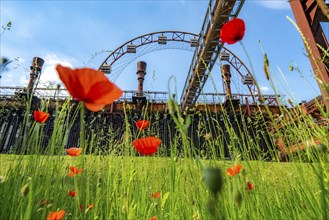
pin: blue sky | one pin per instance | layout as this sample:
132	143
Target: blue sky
71	32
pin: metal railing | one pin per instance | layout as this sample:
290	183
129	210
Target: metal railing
127	96
61	93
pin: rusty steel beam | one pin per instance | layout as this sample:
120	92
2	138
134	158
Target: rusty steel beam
218	13
308	16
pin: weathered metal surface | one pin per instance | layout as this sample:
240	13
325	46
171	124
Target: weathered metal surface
35	71
218	13
308	16
106	131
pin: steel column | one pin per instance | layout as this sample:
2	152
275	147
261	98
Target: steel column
308	16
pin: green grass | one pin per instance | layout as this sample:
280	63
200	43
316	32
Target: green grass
121	188
120	184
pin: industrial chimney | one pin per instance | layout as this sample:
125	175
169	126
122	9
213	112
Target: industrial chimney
35	71
226	74
141	72
140	99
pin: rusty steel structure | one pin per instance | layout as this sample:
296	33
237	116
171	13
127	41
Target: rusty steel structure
132	46
226	57
218	107
205	56
308	16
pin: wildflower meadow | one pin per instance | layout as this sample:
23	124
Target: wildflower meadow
137	177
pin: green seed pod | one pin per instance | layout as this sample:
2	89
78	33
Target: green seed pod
171	106
214	179
25	190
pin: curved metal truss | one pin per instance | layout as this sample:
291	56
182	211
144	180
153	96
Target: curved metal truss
141	45
245	77
122	56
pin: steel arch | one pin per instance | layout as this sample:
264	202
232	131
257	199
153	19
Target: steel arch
178	36
145	39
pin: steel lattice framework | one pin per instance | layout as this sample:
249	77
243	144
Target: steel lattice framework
218	13
163	38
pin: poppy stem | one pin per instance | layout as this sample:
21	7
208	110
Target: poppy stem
82	126
252	72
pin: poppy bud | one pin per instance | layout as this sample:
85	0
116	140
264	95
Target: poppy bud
266	67
171	106
214	179
25	190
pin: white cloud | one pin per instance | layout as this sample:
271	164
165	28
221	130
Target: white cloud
49	74
264	88
23	80
275	4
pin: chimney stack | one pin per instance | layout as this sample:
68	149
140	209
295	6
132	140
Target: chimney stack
35	71
141	72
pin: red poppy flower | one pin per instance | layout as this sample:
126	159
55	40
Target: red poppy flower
72	193
156	195
81	207
56	215
89	86
142	124
234	170
74	171
232	31
154	218
147	145
40	117
250	186
74	151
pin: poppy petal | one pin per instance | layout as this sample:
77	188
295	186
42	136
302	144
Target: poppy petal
230	172
94	107
233	31
104	92
56	215
237	168
147	145
74	151
90	86
142	124
234	170
156	195
80	81
72	193
71	174
40	116
71	81
250	186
